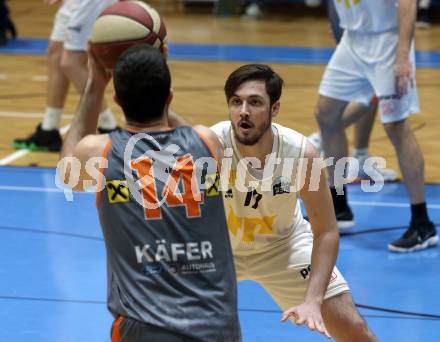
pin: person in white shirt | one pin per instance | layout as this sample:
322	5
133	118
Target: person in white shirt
376	57
270	168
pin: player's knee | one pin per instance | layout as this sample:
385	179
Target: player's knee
326	114
396	130
72	64
54	52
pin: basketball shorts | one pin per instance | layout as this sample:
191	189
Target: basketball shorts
126	329
74	22
363	66
284	270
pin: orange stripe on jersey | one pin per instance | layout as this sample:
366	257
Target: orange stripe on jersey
101	170
208	145
116	337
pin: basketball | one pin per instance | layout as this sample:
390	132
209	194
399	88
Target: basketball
125	24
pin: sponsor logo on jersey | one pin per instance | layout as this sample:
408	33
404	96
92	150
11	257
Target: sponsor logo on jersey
211	184
248	227
229	193
117	191
280	186
183	258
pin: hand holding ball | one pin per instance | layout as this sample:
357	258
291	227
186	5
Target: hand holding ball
124	24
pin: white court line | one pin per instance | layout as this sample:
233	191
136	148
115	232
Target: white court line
39	78
28	188
21	153
38	189
29	115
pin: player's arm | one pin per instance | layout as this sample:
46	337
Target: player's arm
81	144
406	16
318	203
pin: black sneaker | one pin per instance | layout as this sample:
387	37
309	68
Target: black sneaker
345	219
423	18
417	237
41	140
106	131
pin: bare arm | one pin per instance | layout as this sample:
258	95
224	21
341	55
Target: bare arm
81	141
406	16
321	213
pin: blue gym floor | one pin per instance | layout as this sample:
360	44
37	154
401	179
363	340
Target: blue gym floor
53	280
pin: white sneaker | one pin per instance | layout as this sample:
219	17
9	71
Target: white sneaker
312	3
253	11
365	170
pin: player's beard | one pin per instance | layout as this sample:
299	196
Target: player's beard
257	132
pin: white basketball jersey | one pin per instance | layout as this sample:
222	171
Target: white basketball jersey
261	205
367	15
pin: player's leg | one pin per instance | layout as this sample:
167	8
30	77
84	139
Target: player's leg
284	271
341	83
364	117
47	136
394	112
74	59
343	321
421	233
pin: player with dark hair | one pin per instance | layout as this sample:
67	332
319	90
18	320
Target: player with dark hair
271	167
170	269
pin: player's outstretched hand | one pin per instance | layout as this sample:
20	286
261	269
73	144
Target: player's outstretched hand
308	314
99	75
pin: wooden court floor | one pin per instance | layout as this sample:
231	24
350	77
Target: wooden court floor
198	84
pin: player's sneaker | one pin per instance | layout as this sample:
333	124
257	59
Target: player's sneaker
40	140
418	236
365	170
345	219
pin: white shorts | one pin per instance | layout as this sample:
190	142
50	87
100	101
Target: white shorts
363	66
284	270
74	22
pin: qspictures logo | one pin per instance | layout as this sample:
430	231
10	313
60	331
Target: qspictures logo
187	181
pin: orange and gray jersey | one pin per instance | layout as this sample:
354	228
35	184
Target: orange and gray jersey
168	251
